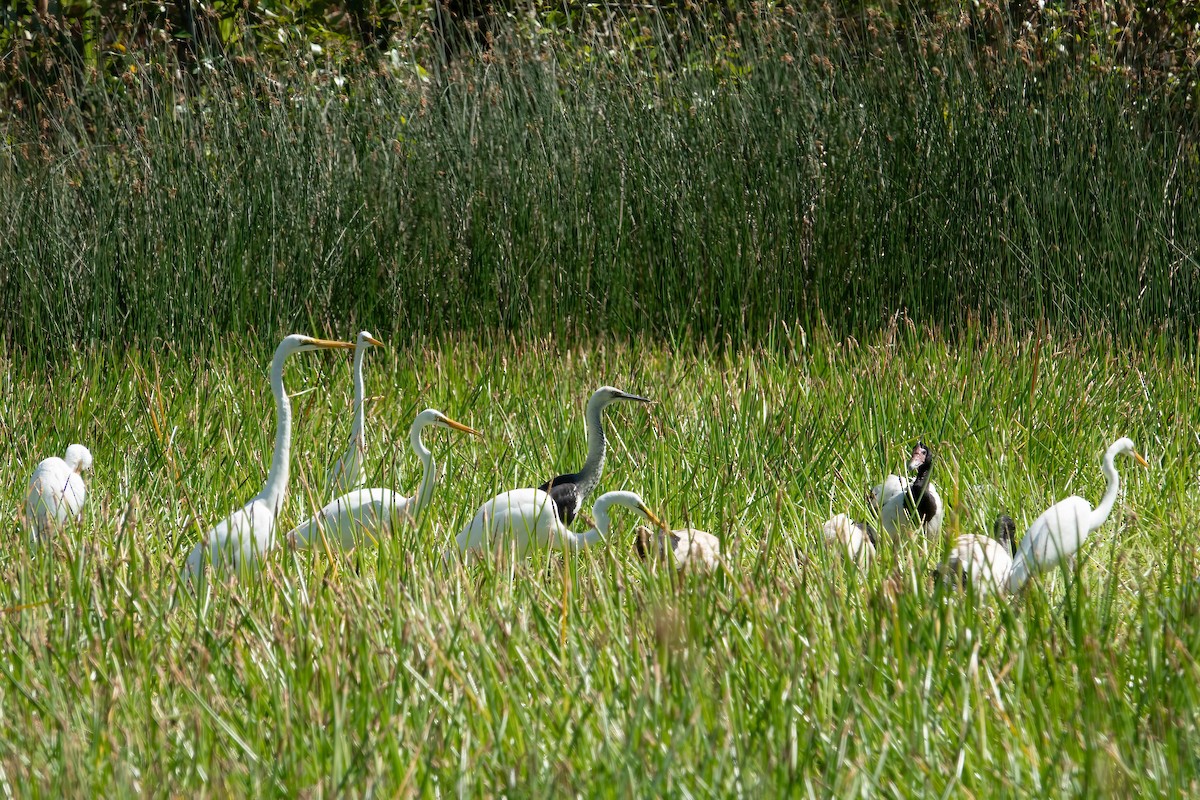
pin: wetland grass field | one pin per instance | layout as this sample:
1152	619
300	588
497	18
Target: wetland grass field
810	247
382	672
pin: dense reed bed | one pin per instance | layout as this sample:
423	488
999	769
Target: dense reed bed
794	177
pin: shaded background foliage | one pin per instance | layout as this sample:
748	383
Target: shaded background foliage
718	171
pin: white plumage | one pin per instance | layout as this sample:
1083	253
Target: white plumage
1062	529
248	533
522	519
855	539
367	515
57	493
984	561
883	493
688	549
350	471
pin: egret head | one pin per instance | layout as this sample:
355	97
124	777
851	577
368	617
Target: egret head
79	458
431	416
610	394
630	500
1004	531
366	340
920	457
1125	445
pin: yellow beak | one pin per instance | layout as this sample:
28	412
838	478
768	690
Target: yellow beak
329	344
1138	458
458	426
373	340
650	515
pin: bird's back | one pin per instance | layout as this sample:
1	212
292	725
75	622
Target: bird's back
564	491
982	560
895	513
851	536
892	514
1056	534
523	514
55	491
892	486
696	550
356	517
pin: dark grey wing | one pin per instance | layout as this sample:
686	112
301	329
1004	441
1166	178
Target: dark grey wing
564	491
922	505
567	500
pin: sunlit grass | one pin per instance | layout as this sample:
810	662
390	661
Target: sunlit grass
383	672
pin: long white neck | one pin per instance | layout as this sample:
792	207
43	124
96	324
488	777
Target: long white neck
593	468
358	431
275	489
428	468
1101	512
600	512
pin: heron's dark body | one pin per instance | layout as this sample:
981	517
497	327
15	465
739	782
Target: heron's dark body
917	500
564	491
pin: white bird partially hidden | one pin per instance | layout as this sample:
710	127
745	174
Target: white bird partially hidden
56	493
855	539
983	561
366	515
1062	529
522	519
248	533
350	471
688	549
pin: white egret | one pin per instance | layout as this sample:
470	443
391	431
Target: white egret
901	501
688	549
983	561
856	538
1062	529
249	532
56	492
372	513
571	490
523	519
349	472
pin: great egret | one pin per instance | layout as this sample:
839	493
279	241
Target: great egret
522	519
983	561
916	500
689	549
349	473
374	512
856	538
249	532
56	492
571	490
1062	529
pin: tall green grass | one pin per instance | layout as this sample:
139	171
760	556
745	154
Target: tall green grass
712	195
381	673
